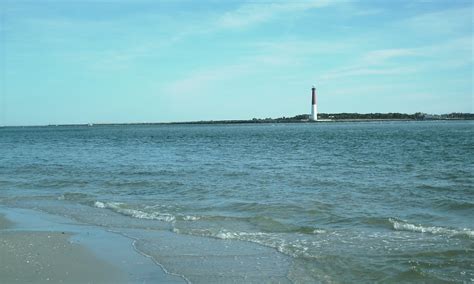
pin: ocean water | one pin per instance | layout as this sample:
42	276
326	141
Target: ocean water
326	202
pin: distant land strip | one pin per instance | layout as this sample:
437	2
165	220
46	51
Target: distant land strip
304	118
326	117
344	117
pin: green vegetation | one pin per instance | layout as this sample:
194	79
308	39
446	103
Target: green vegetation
370	116
346	117
395	116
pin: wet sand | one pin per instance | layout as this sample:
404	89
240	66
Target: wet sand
34	254
5	223
143	254
49	257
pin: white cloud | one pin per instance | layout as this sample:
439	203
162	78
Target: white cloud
364	71
374	63
442	56
200	81
440	22
266	57
259	12
304	47
368	12
382	55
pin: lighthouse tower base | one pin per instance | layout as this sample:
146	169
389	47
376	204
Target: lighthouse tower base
314	112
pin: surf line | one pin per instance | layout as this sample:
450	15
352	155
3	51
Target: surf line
133	244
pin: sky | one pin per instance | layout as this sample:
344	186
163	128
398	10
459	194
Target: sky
85	61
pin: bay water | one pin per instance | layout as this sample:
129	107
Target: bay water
340	202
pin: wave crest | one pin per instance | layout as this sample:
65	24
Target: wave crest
295	248
122	209
405	226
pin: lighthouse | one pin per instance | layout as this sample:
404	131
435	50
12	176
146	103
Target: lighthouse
314	105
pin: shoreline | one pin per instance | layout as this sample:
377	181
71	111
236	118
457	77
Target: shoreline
143	254
148	254
234	122
41	248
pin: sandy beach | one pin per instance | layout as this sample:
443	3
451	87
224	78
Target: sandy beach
37	247
58	253
44	257
50	257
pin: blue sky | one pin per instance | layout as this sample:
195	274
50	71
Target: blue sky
87	61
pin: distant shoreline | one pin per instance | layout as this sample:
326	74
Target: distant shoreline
323	118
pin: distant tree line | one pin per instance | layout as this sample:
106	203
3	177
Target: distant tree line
344	116
391	115
369	116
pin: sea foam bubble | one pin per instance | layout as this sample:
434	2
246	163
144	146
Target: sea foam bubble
99	204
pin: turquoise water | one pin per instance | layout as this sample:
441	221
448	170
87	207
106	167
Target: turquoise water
375	201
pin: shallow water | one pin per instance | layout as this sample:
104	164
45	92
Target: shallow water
378	201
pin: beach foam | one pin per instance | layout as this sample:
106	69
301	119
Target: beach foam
191	218
122	209
295	248
99	204
405	226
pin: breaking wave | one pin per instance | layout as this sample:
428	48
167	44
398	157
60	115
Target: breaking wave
405	226
122	208
74	196
295	247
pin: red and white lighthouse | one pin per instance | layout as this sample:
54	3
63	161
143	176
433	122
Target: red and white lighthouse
314	105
